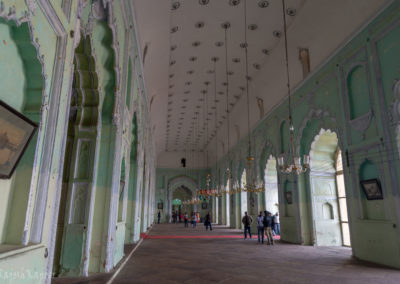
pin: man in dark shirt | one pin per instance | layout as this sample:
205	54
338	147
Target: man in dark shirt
268	227
247	220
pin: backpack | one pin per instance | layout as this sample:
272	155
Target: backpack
265	221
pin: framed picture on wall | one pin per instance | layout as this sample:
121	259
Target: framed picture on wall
372	189
203	205
16	131
288	197
160	205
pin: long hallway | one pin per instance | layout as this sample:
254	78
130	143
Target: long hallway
173	254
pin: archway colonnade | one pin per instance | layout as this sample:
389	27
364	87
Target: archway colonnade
346	117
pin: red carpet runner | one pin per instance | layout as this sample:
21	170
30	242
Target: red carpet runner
145	236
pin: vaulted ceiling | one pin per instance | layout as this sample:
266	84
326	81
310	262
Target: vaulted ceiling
191	82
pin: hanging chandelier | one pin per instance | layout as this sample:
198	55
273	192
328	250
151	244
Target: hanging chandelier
251	186
293	166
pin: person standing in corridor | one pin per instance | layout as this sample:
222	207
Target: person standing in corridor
159	216
260	227
277	224
207	221
268	227
186	219
247	220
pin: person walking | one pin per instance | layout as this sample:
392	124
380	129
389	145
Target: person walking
159	216
268	227
247	220
207	221
198	217
194	220
180	217
277	224
186	219
260	227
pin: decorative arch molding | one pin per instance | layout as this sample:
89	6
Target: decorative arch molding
267	150
34	105
314	146
325	121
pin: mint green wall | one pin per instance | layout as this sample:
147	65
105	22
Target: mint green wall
37	51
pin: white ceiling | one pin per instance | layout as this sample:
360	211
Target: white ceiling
179	69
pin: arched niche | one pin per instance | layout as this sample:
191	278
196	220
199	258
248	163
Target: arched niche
22	85
358	92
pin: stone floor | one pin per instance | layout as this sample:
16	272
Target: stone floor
217	260
195	259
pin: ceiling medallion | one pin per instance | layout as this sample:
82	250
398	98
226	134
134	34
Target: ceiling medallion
257	66
193	58
174	29
203	92
170	95
242	88
291	12
252	27
230	73
190	72
171	86
263	4
234	2
220	93
226	25
184	100
196	43
171	75
173	47
248	78
265	51
204	2
243	45
207	83
224	84
237	96
176	5
219	43
186	92
172	62
277	34
199	25
236	60
214	59
188	83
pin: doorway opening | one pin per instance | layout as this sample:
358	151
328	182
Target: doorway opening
271	186
328	193
243	195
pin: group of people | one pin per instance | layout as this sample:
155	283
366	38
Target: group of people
267	224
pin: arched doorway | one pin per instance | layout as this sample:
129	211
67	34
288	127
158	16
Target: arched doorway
78	173
227	204
328	194
271	186
243	194
179	195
